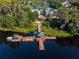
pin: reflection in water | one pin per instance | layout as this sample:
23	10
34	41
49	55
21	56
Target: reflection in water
30	50
69	41
14	44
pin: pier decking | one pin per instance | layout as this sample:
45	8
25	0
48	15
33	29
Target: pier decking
41	44
27	39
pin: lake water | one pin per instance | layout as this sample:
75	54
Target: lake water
30	50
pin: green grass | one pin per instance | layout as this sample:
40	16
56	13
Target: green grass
76	34
55	32
17	29
50	32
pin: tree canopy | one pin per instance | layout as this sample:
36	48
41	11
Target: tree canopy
17	13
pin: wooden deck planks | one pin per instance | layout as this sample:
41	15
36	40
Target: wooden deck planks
41	44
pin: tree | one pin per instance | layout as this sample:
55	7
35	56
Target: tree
71	18
16	13
55	4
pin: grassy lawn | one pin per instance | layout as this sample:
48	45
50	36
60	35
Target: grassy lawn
55	32
50	32
16	29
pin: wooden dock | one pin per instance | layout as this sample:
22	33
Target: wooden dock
41	44
27	39
23	39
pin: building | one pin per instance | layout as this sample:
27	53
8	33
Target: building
38	9
67	3
50	11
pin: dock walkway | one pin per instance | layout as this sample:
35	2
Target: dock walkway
26	39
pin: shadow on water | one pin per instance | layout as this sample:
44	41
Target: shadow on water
66	41
69	41
30	50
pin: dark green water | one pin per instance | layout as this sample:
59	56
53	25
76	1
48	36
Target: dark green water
29	50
